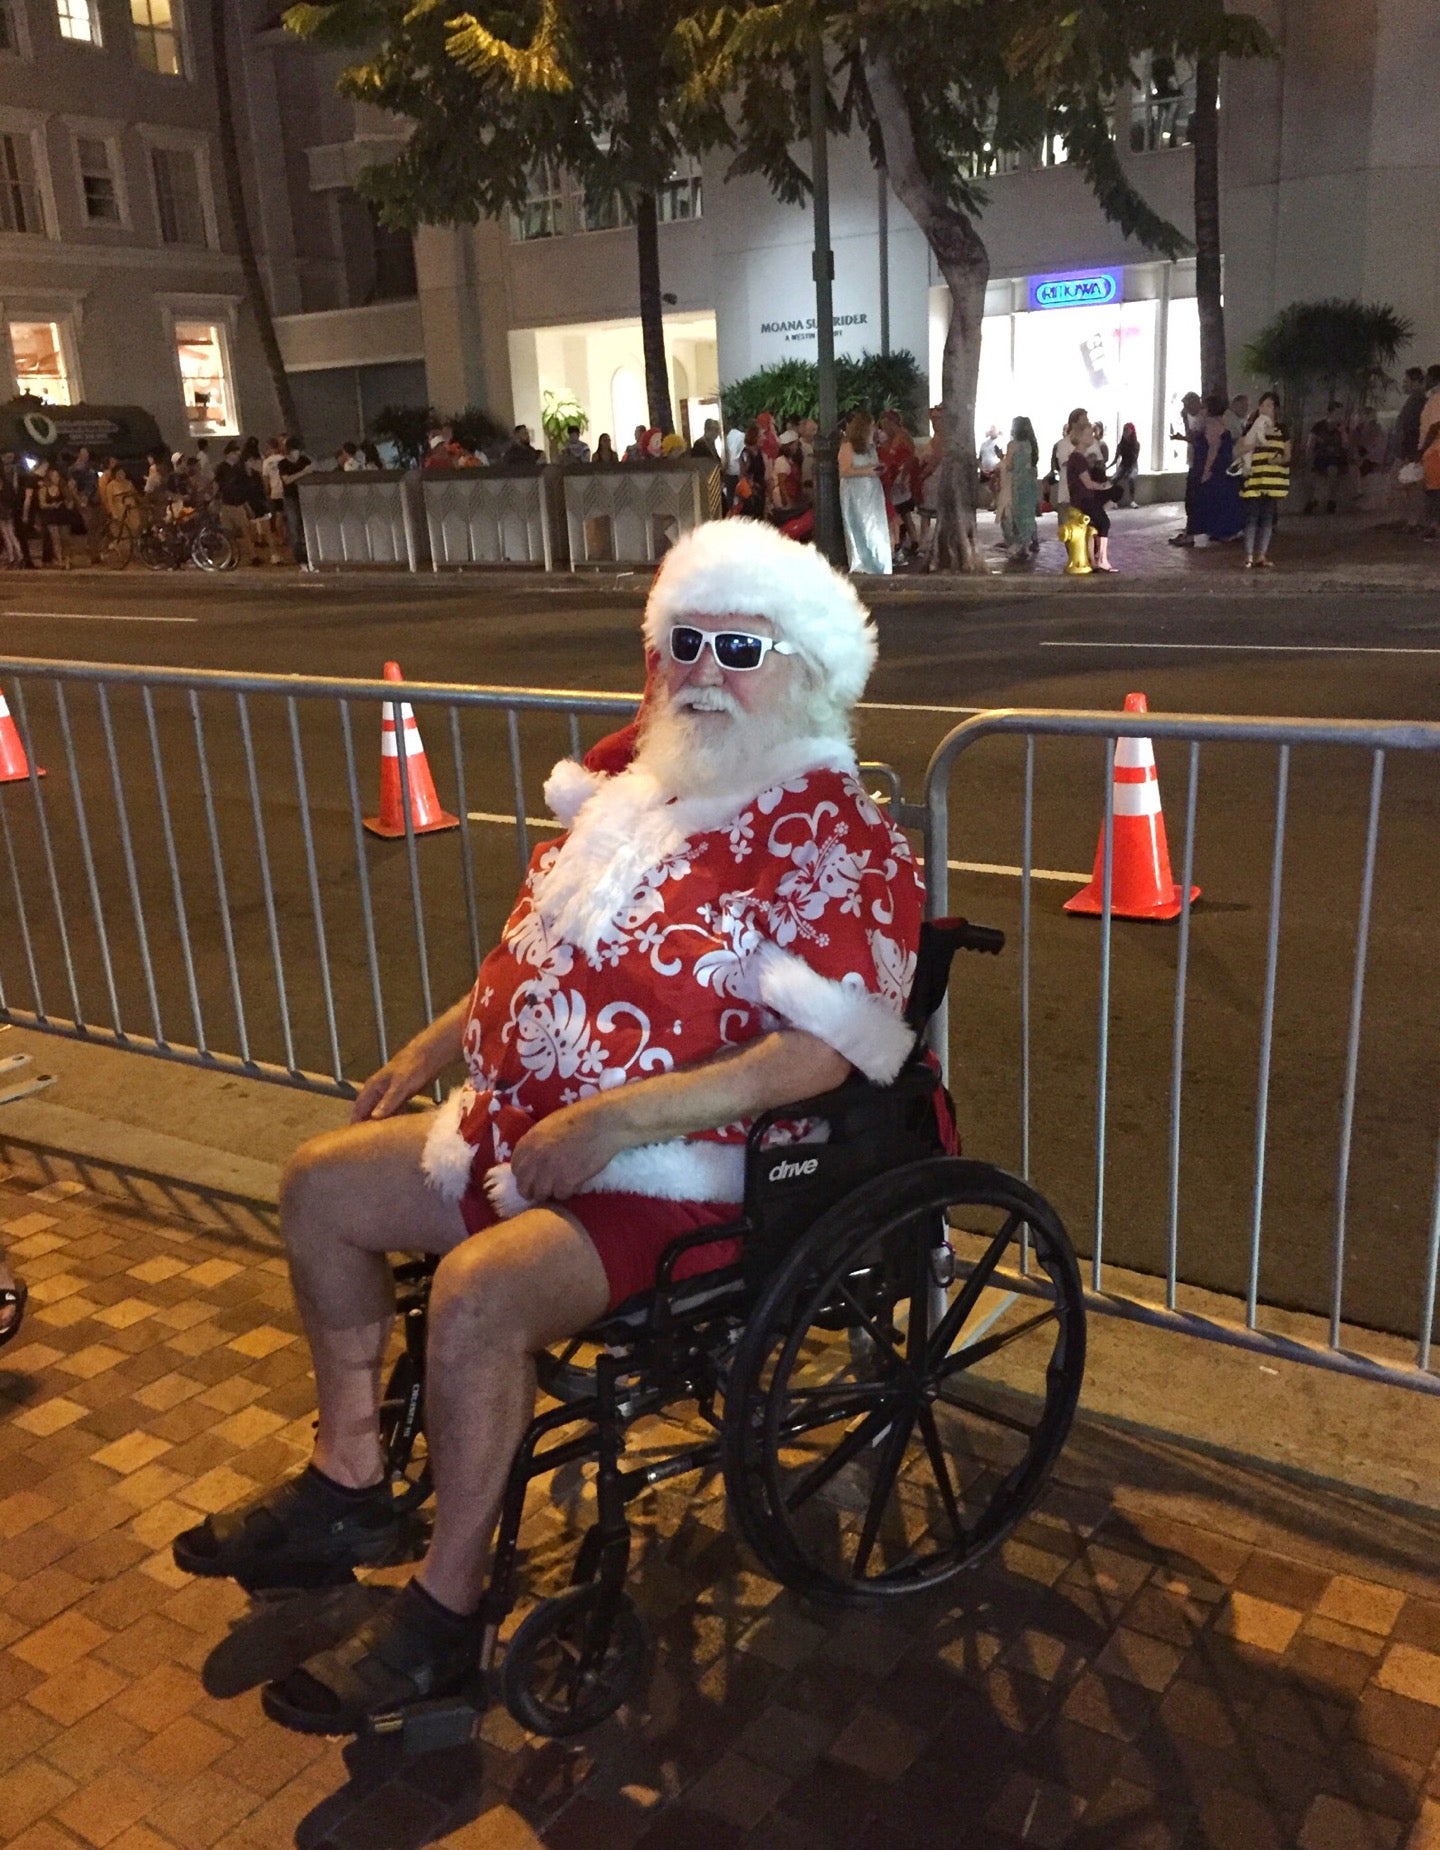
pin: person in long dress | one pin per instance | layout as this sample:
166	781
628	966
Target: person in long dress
862	499
1020	490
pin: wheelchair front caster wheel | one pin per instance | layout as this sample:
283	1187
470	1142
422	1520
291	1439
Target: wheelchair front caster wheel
573	1661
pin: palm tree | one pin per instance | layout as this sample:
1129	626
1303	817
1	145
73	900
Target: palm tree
255	297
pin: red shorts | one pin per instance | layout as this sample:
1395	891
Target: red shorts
630	1232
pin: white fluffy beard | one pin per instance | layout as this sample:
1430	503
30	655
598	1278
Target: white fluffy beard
702	743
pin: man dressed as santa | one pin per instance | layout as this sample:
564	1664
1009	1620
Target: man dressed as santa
728	925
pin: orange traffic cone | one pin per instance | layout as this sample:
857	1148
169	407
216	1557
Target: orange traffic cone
1141	884
14	765
426	815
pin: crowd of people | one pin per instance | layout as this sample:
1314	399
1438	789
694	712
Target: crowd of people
53	511
1238	476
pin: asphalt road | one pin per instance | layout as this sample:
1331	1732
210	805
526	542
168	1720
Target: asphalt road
1261	649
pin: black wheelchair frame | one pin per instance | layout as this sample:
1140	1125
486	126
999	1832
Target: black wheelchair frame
835	1235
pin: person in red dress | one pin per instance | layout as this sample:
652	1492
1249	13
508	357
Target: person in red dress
728	924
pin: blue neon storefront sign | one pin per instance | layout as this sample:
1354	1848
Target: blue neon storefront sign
1075	289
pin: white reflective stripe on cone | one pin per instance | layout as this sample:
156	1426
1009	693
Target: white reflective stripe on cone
4	709
1134	754
388	747
1137	799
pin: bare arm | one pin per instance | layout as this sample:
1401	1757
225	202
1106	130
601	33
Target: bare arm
554	1158
409	1071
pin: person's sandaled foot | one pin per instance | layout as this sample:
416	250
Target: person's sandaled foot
300	1533
412	1650
13	1299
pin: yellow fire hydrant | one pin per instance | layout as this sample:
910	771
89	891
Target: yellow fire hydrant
1075	537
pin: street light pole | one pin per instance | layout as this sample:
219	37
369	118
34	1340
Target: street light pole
829	538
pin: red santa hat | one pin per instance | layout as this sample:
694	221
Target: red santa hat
744	568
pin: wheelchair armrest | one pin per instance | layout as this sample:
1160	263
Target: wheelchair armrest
823	1105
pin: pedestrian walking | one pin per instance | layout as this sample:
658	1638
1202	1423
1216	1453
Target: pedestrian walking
235	494
862	499
1329	457
1127	466
1020	492
1192	424
274	495
1088	488
292	466
1215	503
1267	481
1404	452
1430	453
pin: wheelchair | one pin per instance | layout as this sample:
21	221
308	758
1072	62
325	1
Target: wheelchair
885	1378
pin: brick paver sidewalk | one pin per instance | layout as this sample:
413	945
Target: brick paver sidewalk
1172	1652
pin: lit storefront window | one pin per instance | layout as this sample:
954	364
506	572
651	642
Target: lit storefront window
205	376
40	368
156	25
1126	362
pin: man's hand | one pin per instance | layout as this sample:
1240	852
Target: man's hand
407	1073
557	1156
403	1077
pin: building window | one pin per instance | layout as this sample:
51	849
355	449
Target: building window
20	207
9	30
543	213
602	212
156	25
97	181
177	195
40	368
205	377
680	196
1162	104
78	20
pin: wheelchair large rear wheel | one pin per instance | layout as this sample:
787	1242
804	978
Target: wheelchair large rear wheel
905	1383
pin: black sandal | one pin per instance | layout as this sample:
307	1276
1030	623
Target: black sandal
302	1533
412	1651
13	1297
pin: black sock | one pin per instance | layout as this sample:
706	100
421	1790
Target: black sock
446	1614
347	1493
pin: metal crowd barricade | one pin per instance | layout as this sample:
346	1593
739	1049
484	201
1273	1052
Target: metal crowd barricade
629	513
495	516
1378	742
362	517
193	878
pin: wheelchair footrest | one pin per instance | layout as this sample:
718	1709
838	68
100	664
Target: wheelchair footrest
430	1727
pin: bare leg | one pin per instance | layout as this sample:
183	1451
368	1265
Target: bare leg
497	1298
347	1199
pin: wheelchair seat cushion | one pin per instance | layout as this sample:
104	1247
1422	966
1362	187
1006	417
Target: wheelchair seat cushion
630	1232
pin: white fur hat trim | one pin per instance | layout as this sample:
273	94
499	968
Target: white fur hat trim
845	1015
684	1170
740	568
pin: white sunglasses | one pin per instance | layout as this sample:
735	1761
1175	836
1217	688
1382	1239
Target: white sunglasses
737	651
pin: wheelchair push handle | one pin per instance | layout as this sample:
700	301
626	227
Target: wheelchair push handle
980	938
940	939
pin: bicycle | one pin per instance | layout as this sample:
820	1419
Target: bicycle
187	534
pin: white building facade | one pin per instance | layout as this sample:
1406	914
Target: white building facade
1330	187
119	283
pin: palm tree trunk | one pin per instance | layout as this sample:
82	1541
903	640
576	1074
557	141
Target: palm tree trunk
652	313
1208	281
965	264
240	220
